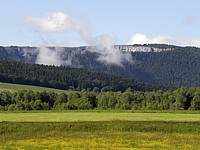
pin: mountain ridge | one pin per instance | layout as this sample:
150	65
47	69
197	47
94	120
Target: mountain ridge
161	64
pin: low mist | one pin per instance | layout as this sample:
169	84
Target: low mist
58	22
108	54
47	56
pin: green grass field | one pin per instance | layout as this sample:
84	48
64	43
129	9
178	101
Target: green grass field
100	130
18	87
71	116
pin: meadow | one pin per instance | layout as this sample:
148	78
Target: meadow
71	116
18	87
99	130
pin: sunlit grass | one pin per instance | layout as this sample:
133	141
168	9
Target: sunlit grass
71	116
18	87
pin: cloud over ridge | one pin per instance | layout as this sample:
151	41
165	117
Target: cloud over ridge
54	22
65	23
139	38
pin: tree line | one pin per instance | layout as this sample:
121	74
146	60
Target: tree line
180	99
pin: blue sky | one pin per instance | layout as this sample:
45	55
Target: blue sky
27	22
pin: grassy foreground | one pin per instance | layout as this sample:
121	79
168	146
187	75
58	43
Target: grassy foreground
100	135
19	87
99	130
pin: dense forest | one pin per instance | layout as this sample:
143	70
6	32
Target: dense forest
67	78
180	99
177	67
180	67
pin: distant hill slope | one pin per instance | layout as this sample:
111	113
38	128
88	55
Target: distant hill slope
67	78
180	67
154	63
19	87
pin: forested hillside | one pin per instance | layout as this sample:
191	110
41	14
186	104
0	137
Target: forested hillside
154	63
67	78
180	67
177	67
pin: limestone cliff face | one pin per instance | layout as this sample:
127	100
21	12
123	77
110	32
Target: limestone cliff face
142	48
30	54
22	54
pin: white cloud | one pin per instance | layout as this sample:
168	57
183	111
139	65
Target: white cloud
54	22
60	22
109	55
144	39
48	57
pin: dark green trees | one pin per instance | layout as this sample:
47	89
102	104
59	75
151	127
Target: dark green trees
66	78
195	103
180	99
